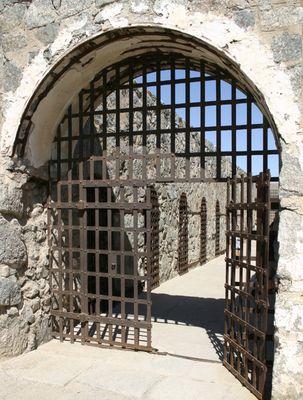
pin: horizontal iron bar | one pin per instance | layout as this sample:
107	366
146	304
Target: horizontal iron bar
241	321
105	320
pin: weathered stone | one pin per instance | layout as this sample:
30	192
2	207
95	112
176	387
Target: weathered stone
161	7
12	312
138	6
291	176
244	18
13	335
101	3
12	16
27	314
12	248
11	43
6	271
43	334
73	7
39	13
47	34
30	289
291	248
264	4
287	382
296	73
10	292
35	304
11	196
286	47
32	55
281	16
110	9
12	76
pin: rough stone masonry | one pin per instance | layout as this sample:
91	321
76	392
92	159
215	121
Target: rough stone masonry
262	37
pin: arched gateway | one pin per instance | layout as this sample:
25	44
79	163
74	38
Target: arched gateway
159	117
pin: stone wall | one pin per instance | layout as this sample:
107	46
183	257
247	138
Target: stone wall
169	197
24	275
262	37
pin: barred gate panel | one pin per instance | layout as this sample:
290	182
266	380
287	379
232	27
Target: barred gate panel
246	288
100	266
155	240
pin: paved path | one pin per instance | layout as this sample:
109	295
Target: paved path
188	311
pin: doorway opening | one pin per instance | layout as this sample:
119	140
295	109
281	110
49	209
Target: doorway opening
139	162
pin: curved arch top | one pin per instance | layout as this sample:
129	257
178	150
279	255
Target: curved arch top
60	86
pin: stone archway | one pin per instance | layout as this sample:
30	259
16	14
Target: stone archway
274	110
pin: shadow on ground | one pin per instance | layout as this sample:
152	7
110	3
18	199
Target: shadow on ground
205	313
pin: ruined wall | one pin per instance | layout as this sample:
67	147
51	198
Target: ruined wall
264	37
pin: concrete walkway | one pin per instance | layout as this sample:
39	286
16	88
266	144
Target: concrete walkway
188	311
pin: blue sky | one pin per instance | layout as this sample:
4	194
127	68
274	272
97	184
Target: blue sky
210	116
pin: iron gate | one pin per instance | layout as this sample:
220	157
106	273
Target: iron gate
100	265
247	274
157	118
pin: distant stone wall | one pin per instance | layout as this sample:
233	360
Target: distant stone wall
169	197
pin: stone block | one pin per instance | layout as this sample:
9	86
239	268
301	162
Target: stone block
12	42
39	13
281	16
12	312
13	335
139	6
10	292
27	314
12	76
11	16
35	304
11	202
73	7
244	18
296	73
291	248
12	249
47	34
6	271
291	176
286	47
287	373
30	289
